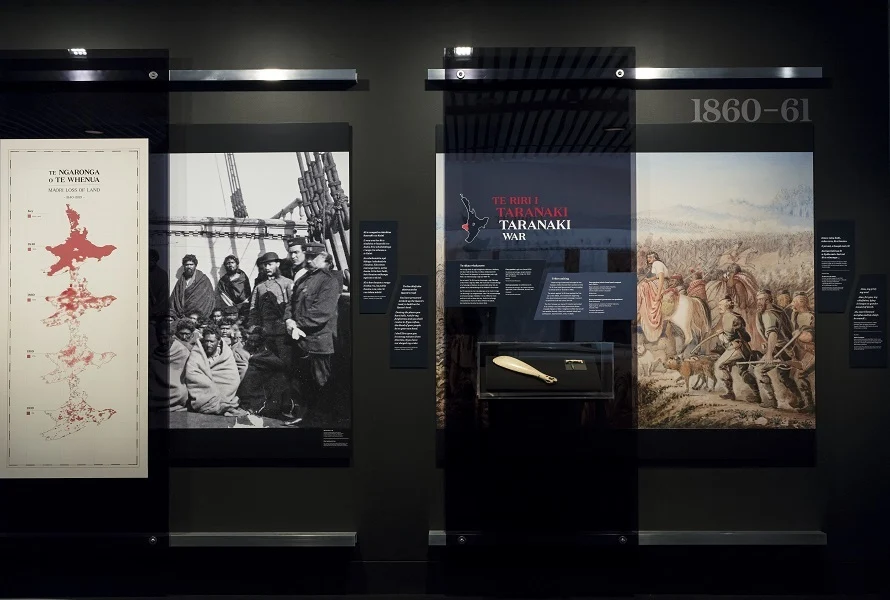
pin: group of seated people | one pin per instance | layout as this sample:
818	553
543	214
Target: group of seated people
217	367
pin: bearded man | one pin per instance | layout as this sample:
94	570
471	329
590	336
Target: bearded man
193	292
774	326
233	288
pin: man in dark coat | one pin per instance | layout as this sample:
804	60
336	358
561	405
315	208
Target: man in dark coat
297	263
268	306
193	293
312	321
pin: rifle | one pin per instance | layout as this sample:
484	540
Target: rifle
791	341
791	363
710	337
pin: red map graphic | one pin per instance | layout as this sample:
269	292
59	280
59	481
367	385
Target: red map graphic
77	248
74	358
70	306
74	302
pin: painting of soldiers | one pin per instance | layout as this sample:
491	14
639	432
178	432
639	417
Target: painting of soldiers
740	226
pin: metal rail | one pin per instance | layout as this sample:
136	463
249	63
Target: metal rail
200	80
696	538
618	74
640	78
344	539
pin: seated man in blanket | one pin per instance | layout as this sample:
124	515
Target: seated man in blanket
211	376
166	364
242	356
185	332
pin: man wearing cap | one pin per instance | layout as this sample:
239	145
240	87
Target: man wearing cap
289	267
194	292
803	324
774	326
735	340
297	263
268	305
312	321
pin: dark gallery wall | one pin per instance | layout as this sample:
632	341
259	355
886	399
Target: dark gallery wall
392	494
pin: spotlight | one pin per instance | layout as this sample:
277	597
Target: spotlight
77	51
463	51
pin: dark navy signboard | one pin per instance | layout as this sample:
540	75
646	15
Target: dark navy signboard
868	323
379	244
588	296
409	331
512	224
835	264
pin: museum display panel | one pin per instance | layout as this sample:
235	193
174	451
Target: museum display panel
737	232
535	298
533	268
731	310
256	244
721	364
61	195
83	474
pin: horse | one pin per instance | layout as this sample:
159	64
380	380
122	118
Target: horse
690	315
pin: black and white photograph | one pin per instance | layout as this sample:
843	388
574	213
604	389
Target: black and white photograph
251	317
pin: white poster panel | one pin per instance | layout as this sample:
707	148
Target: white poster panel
74	260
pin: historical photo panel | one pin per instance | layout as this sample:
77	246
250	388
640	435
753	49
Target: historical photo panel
251	317
75	258
725	298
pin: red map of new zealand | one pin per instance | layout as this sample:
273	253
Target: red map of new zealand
77	248
71	305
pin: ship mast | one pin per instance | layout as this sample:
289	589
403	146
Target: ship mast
239	210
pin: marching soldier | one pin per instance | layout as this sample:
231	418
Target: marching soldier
783	300
803	322
774	326
736	349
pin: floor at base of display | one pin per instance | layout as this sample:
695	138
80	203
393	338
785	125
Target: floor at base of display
518	571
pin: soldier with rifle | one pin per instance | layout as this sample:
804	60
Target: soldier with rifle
775	327
803	322
735	340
